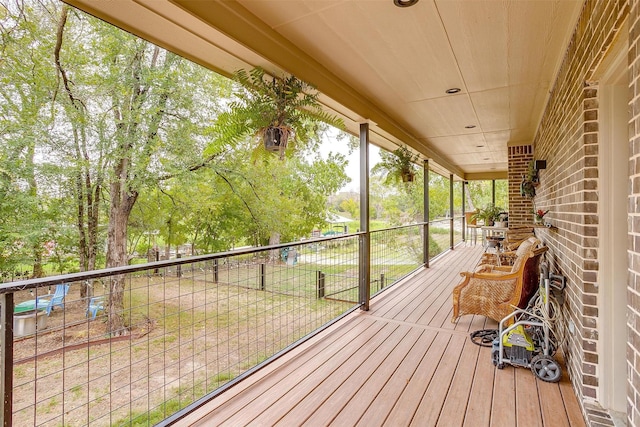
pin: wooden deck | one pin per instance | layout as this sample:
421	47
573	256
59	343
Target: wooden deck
402	363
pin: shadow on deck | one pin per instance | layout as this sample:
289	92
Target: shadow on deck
402	363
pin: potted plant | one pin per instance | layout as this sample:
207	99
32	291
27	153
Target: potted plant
275	110
502	220
538	216
397	166
527	188
530	181
489	215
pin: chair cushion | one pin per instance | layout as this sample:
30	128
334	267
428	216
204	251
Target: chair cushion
522	252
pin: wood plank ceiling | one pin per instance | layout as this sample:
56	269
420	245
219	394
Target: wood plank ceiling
383	64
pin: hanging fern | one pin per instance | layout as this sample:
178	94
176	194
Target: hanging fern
261	102
396	166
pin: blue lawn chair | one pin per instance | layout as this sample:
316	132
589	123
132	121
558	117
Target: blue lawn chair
57	300
95	304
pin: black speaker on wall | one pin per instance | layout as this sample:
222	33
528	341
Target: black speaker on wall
540	164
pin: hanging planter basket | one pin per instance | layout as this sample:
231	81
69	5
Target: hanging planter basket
407	176
275	139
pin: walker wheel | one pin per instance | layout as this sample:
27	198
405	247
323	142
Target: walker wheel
546	368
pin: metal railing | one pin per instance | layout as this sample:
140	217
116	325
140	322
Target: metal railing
458	228
444	234
395	253
195	326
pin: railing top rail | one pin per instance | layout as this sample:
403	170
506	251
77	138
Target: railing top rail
441	219
399	227
105	272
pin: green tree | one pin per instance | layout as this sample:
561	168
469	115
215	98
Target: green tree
27	85
100	127
137	114
351	206
284	200
480	193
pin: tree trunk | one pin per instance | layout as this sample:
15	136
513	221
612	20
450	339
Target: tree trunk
167	248
87	195
274	239
122	192
37	264
93	214
122	202
469	207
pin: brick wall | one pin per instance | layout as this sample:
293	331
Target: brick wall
520	208
567	139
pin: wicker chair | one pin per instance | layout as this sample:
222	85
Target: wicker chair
494	291
507	255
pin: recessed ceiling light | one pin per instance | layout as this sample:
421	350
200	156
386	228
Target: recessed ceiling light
453	90
470	126
404	3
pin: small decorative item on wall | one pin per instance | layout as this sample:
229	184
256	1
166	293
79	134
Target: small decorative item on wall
531	181
527	188
538	216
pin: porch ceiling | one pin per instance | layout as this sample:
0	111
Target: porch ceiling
389	66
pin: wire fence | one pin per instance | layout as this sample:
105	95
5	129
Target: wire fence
190	327
395	252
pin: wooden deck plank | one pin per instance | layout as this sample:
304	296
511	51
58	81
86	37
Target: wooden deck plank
388	387
527	400
400	303
279	378
420	294
366	381
339	387
332	371
430	407
479	322
428	307
455	405
401	362
422	289
404	289
574	414
421	375
449	275
478	413
439	312
468	323
503	405
552	406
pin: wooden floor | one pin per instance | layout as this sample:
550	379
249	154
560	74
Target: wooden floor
401	363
